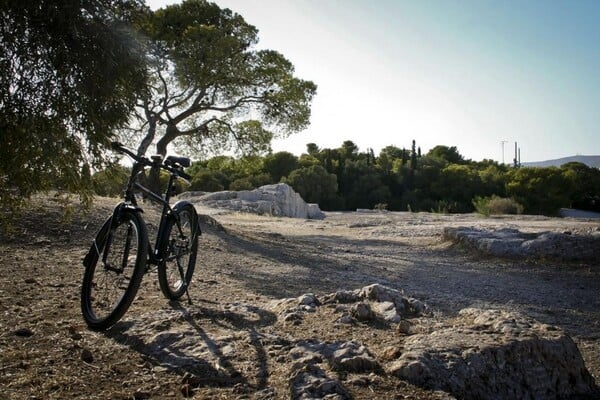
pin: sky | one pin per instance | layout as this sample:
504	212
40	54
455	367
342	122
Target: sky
479	75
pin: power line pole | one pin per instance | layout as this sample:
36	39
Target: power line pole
502	142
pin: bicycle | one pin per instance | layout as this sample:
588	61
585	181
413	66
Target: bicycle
121	252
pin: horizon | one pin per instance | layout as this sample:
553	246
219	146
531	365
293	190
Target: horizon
470	75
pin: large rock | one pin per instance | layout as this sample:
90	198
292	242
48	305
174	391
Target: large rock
278	200
513	243
492	354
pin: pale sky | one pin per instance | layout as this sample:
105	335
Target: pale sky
466	73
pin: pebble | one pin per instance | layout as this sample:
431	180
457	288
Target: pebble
23	332
87	356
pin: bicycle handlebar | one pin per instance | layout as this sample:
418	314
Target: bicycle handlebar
174	166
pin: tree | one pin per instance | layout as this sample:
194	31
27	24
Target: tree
586	183
539	190
362	186
456	187
312	149
211	89
280	164
315	185
349	150
70	72
386	158
450	154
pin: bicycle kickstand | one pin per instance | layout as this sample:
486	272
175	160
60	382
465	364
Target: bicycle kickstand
187	292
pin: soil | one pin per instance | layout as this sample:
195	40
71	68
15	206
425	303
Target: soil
246	262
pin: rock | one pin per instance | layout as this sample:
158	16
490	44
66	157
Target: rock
404	327
311	382
314	212
309	378
342	296
391	353
489	354
351	357
511	243
277	200
23	332
387	311
346	319
392	304
380	293
308	299
362	312
87	356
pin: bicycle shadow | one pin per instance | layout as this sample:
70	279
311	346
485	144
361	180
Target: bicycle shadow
206	346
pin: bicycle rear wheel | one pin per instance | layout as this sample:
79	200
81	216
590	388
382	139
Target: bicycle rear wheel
114	270
179	245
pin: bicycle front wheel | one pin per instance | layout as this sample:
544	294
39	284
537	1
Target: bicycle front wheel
114	270
179	245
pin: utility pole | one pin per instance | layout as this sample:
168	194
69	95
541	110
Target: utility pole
502	142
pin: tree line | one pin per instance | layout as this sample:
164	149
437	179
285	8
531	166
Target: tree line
398	179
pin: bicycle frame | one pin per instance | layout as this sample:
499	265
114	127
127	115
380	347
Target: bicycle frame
154	256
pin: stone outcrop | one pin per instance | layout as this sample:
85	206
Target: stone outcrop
311	359
368	303
479	354
278	200
513	243
492	354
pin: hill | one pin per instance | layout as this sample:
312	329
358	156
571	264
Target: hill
590	161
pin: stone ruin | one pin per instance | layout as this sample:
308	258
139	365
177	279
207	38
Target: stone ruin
479	354
512	243
278	200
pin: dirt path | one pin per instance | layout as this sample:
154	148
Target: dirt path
46	351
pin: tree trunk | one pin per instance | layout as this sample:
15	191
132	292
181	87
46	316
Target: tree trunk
161	149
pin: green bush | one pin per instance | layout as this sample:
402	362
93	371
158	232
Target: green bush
496	205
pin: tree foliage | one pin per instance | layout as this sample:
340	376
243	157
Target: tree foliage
211	88
315	185
69	74
280	164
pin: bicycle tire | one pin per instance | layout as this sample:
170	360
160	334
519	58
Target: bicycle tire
179	250
108	289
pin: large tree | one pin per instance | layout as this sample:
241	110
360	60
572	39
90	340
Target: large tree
70	72
212	89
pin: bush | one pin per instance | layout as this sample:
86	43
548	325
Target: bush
496	205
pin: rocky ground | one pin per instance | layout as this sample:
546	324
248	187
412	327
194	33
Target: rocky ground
358	305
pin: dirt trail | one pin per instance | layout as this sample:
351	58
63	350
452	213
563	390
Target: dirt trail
46	351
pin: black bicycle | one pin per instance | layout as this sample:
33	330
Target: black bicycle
121	252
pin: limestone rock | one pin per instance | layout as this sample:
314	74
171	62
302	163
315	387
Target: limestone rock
491	354
278	200
362	312
311	382
351	357
512	243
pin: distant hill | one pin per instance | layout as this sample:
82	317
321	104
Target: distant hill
590	161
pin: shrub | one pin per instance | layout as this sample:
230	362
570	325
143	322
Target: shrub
496	205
